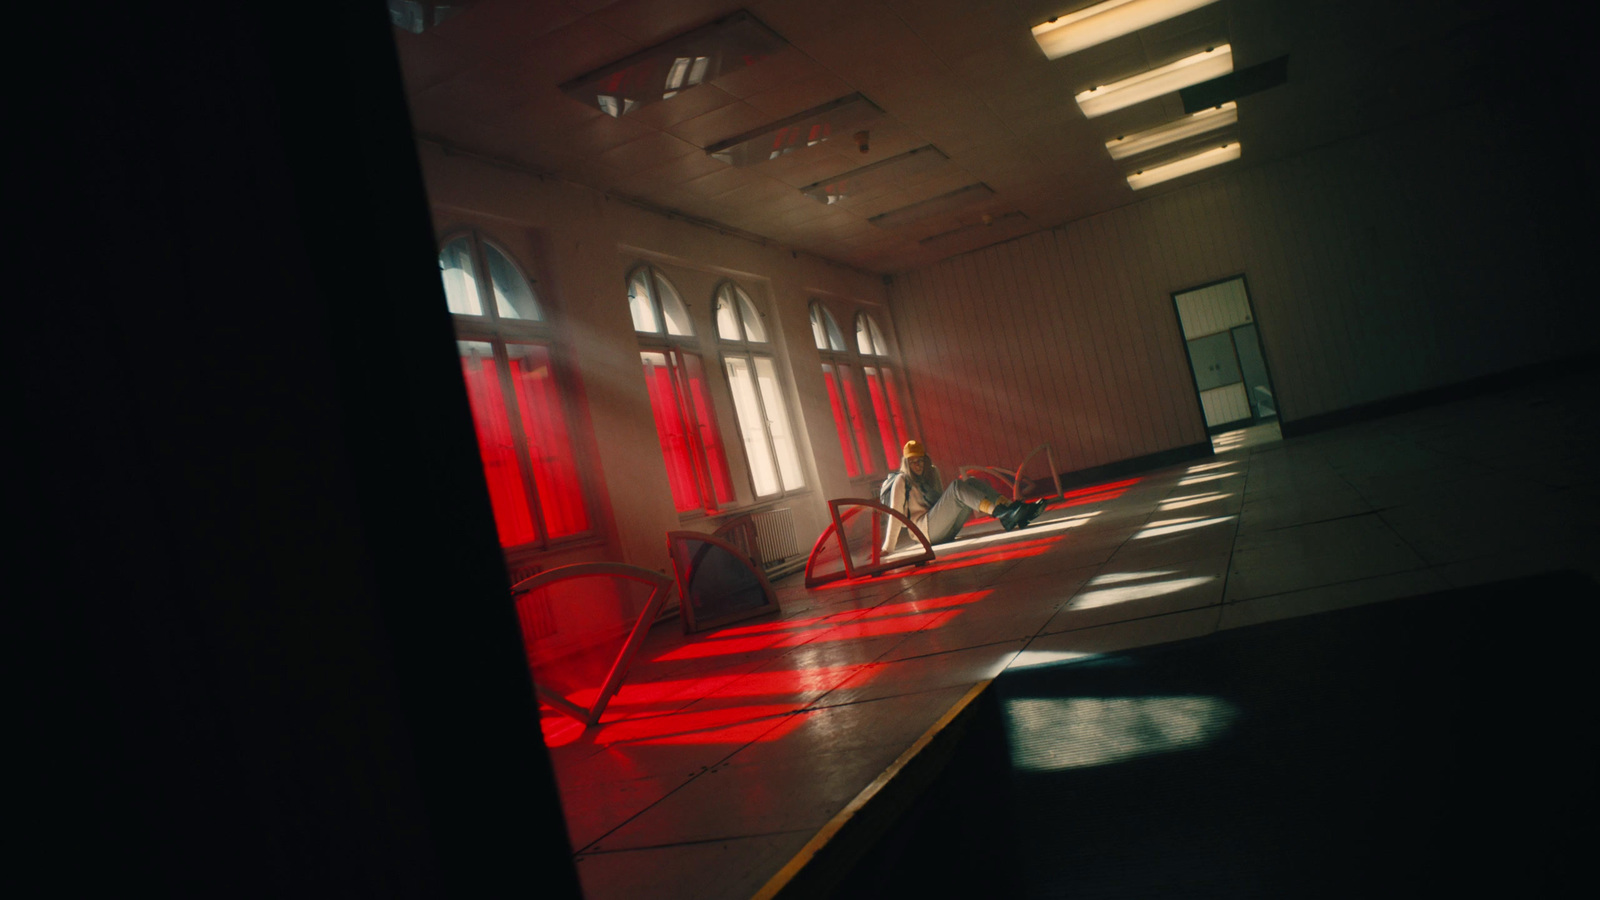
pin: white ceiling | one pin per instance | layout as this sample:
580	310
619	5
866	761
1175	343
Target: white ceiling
963	75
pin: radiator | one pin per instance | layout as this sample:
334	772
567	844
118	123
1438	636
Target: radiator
776	539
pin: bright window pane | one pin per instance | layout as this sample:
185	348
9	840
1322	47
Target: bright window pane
753	329
460	280
727	324
840	423
672	308
783	443
819	334
835	336
879	345
869	340
644	312
512	518
513	296
673	430
555	471
742	382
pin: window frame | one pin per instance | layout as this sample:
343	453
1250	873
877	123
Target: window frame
851	365
491	328
674	347
742	347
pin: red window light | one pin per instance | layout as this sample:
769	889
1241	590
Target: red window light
697	468
880	406
555	471
851	468
902	434
507	492
673	432
708	438
858	424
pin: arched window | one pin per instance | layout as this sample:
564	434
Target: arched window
758	397
845	395
518	402
697	468
883	384
824	330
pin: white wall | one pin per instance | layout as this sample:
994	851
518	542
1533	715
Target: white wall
580	246
1378	266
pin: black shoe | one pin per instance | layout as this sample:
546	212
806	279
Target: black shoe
1032	511
1018	515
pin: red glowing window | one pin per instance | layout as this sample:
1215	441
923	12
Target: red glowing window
697	469
880	407
831	378
680	400
519	407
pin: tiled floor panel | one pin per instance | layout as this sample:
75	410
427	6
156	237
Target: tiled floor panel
726	751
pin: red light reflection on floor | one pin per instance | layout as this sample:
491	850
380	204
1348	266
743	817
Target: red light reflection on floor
734	725
847	630
959	559
752	684
1098	493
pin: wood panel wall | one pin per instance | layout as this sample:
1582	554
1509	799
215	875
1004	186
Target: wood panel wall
1378	266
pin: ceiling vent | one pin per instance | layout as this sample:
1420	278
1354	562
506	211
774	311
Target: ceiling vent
844	117
729	44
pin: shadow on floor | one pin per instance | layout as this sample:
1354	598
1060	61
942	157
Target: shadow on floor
1417	746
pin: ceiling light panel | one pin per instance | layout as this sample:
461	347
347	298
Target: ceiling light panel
916	212
729	44
840	119
1205	159
842	187
1203	66
1103	21
1203	122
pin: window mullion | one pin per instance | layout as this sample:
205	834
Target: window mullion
480	261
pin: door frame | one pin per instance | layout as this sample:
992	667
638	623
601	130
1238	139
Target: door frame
1261	341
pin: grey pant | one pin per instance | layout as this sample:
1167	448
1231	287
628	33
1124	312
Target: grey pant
954	507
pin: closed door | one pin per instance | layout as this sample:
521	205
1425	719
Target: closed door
1230	371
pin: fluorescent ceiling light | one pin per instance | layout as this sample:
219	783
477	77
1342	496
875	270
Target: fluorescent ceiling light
1172	132
1203	66
1103	21
1205	160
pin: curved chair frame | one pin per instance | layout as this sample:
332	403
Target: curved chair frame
661	586
1055	474
1004	476
686	609
878	564
742	529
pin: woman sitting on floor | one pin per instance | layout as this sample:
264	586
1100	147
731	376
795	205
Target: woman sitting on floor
917	492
